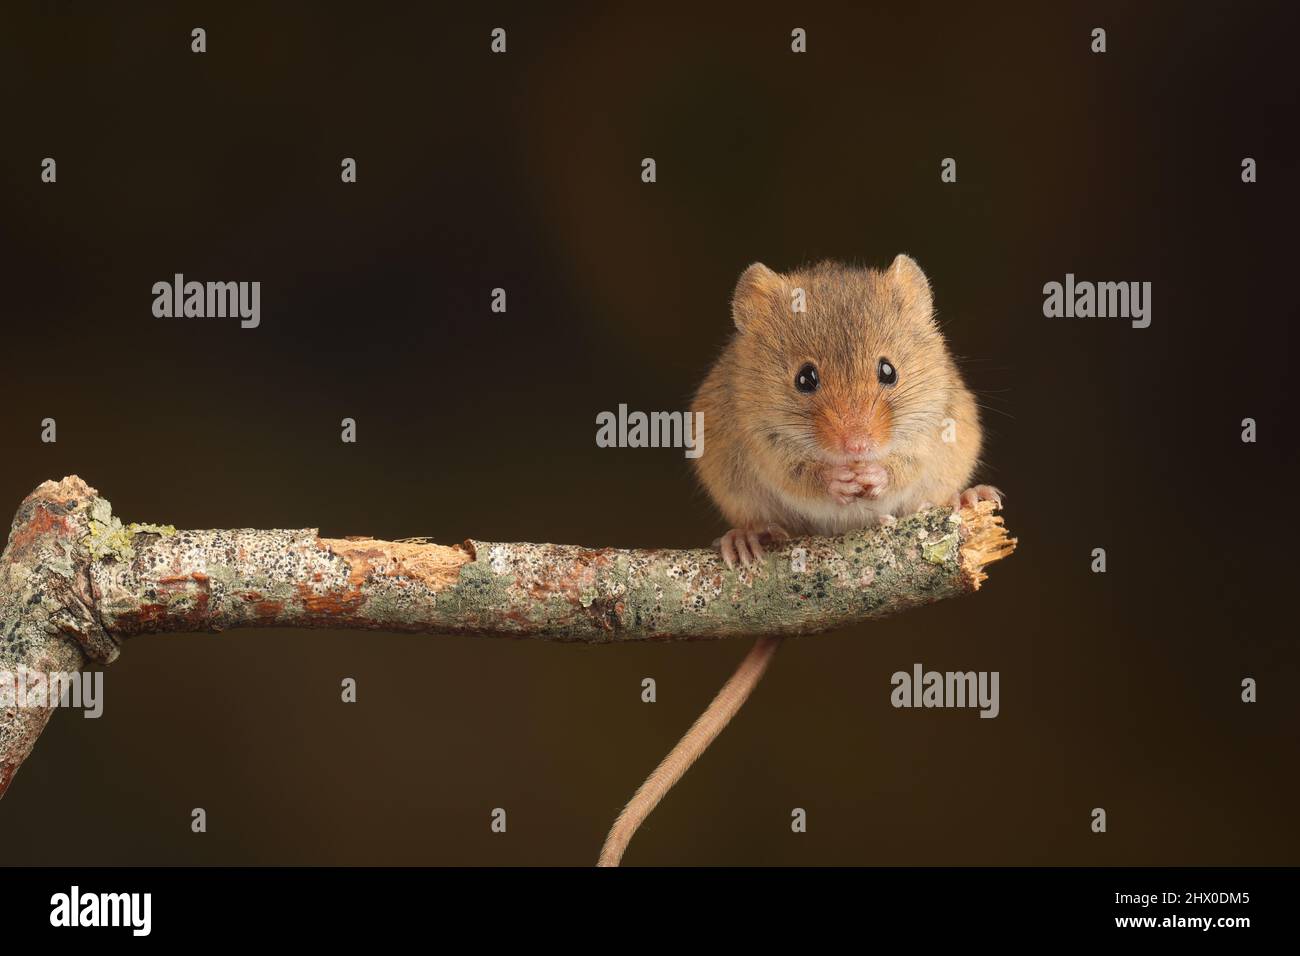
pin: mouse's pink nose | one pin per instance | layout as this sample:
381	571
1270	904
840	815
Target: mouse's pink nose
856	444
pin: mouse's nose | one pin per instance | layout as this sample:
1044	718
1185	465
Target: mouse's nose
857	444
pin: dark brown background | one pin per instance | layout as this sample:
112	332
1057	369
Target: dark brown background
1118	690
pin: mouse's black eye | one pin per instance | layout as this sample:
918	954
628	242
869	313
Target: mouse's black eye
886	372
806	379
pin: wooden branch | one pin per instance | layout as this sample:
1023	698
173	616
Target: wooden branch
75	582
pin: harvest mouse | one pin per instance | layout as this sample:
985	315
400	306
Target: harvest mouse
835	406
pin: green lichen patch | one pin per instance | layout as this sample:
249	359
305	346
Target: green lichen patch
940	550
110	539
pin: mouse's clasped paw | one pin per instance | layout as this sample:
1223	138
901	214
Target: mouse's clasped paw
872	478
746	544
972	496
848	483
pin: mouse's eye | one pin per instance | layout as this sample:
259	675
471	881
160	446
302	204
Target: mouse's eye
806	379
886	372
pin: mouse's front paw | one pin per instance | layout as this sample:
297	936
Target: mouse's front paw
975	494
842	483
861	479
746	544
872	478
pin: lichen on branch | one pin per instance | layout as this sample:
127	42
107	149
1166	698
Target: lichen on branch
75	581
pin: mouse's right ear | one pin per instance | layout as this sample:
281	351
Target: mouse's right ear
907	275
757	293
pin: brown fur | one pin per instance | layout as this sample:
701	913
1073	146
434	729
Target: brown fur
766	441
769	448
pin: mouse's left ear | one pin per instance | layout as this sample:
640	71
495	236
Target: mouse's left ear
757	293
908	278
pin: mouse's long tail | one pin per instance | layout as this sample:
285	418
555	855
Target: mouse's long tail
707	726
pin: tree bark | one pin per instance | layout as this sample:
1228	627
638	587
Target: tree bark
75	582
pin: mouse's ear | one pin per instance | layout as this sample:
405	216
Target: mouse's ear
756	293
908	278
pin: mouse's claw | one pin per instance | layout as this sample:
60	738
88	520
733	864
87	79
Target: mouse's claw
975	494
746	544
